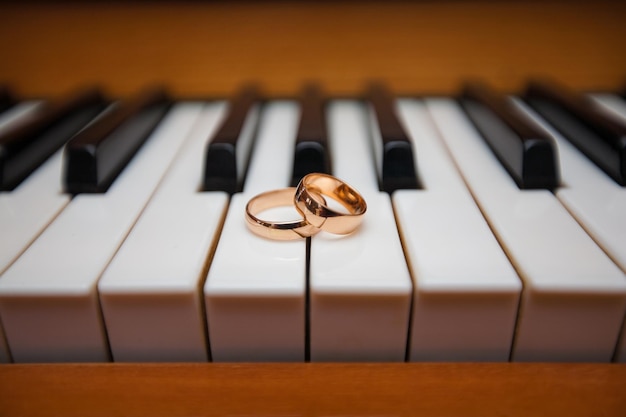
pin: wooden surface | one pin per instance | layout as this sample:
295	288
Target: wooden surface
210	47
461	390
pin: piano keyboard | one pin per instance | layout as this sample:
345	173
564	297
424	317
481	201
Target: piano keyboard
495	229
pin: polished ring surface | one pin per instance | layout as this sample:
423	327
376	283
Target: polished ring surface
310	203
278	230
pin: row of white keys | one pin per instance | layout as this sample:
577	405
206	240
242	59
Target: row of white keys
151	293
360	286
255	287
593	198
48	298
574	296
466	291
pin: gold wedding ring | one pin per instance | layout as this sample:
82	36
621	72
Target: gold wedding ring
310	203
278	230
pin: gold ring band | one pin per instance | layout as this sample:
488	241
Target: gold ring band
310	203
278	230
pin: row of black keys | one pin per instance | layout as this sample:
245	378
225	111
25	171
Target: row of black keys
98	144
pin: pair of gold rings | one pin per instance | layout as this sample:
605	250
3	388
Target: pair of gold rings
310	202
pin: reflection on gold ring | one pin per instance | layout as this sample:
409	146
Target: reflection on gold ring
278	230
310	203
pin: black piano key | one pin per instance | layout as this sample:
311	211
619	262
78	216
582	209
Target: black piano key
96	155
228	152
28	144
6	98
527	153
311	151
394	150
600	137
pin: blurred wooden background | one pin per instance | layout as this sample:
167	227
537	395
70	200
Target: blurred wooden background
208	48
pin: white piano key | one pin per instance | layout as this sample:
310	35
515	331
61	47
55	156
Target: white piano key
151	292
466	292
593	198
349	123
434	163
612	104
616	106
360	287
246	140
26	211
574	297
51	289
255	288
18	114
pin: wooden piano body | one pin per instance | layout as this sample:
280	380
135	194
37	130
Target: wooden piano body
207	49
